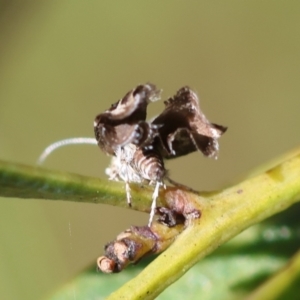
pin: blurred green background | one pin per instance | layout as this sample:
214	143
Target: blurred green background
63	62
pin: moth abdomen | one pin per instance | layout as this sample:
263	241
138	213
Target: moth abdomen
149	163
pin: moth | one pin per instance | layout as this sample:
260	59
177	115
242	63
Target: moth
138	147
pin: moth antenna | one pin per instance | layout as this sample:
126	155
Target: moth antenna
153	205
58	144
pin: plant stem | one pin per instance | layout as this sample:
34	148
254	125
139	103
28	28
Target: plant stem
21	181
224	214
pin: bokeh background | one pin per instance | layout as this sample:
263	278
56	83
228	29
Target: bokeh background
63	62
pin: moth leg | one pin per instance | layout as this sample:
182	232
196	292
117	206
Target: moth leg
153	205
170	141
181	186
128	194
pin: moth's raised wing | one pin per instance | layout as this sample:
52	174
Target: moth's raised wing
112	137
124	122
132	107
185	128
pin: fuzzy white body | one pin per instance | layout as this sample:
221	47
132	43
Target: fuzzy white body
122	165
130	164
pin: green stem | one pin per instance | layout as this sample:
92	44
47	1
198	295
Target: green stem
21	181
224	215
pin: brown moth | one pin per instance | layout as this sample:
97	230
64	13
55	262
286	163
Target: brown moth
139	147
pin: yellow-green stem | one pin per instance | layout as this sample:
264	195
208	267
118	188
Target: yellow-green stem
224	214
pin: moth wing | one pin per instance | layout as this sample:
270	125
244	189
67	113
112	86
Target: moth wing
185	128
111	137
178	144
184	141
124	122
140	134
132	107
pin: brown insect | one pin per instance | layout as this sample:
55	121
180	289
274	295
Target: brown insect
139	147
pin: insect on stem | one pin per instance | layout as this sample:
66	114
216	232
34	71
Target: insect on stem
138	147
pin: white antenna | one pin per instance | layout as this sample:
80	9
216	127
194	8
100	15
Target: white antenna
58	144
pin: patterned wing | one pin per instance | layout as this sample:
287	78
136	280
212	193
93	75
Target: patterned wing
124	122
185	128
